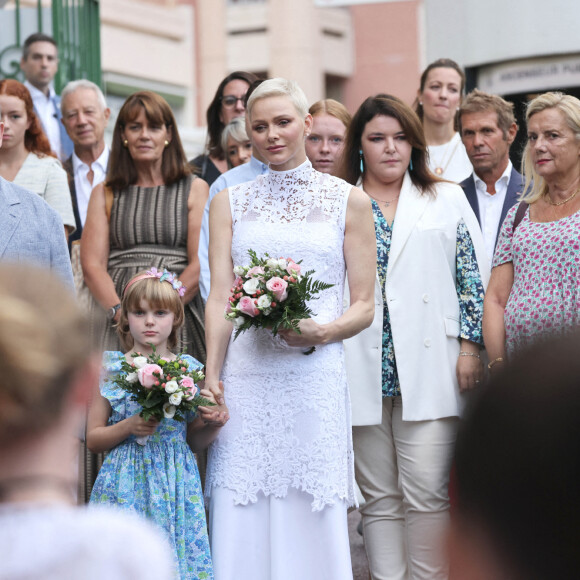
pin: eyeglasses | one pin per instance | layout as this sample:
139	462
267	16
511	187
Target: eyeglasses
229	101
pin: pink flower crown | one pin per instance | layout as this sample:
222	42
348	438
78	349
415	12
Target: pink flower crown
163	276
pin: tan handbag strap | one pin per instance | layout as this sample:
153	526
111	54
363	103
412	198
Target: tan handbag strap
108	201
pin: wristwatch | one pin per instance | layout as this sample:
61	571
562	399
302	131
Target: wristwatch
112	312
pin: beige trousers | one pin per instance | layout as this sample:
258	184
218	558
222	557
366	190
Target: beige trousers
402	469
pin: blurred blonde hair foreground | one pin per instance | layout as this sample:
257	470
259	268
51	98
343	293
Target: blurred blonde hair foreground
44	343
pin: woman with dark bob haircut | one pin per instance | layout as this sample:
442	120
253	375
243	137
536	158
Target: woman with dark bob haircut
148	212
408	370
228	103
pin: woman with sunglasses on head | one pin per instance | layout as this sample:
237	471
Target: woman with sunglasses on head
227	104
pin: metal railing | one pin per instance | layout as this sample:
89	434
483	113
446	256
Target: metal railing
74	25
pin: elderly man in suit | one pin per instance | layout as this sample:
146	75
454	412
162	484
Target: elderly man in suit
488	129
31	230
85	116
39	63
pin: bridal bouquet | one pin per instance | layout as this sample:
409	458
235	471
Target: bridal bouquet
165	389
271	293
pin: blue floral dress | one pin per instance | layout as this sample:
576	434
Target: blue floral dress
469	292
159	479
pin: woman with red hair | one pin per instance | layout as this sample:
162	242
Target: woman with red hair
25	155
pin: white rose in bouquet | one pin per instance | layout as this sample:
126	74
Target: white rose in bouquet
282	263
132	377
239	270
264	301
140	361
169	410
171	387
175	399
238	321
272	263
251	286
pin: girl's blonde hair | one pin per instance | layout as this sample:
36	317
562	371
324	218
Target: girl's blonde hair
333	108
44	343
535	186
158	295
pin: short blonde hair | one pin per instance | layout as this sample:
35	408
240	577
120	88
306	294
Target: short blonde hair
279	87
158	295
44	342
535	186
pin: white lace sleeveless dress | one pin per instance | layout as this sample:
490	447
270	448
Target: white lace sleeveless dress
290	413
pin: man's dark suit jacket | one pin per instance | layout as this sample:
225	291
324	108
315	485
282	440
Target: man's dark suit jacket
514	190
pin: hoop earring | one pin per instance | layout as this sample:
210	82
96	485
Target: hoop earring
362	167
125	143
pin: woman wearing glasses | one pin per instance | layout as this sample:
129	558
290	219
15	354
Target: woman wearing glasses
227	104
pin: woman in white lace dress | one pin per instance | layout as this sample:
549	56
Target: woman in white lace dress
280	474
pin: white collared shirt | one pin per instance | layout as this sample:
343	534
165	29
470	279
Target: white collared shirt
48	114
490	207
83	186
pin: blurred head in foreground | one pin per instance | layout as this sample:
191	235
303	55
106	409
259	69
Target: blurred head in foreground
48	373
518	472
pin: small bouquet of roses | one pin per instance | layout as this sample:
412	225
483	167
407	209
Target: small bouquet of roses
271	293
165	389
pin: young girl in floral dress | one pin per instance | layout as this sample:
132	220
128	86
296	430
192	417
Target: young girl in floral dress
159	478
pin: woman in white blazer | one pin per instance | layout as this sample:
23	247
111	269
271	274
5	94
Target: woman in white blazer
407	372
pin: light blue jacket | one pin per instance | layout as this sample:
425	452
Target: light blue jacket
32	231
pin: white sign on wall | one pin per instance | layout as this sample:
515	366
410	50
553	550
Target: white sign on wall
530	76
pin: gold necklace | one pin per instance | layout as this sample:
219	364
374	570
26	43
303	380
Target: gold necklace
442	166
387	202
552	202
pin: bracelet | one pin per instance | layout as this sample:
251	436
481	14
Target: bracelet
465	353
494	362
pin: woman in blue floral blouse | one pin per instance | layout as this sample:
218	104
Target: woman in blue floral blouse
407	372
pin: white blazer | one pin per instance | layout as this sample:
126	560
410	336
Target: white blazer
423	306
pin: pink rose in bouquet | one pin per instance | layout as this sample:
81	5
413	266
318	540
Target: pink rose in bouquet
246	306
256	271
278	287
146	376
191	389
293	269
271	294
